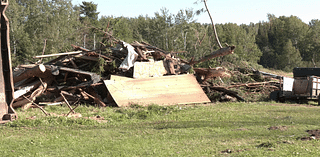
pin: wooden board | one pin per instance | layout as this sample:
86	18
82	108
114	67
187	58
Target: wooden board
166	90
119	78
148	69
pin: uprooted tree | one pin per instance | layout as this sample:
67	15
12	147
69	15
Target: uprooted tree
221	52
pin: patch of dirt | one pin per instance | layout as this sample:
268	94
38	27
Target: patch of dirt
32	117
314	135
98	118
282	128
300	105
75	115
242	129
228	151
266	145
285	142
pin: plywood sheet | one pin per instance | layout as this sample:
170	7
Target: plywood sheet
119	78
166	90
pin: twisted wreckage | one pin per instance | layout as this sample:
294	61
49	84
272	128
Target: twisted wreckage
146	75
132	73
137	73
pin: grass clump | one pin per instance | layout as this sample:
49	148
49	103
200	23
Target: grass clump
140	112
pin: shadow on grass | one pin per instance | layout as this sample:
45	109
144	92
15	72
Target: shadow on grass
200	124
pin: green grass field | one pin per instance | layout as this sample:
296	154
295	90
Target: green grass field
221	129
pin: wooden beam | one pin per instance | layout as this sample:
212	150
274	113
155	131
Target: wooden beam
221	52
38	71
58	54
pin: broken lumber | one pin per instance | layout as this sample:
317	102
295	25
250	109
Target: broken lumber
96	97
26	89
227	91
210	72
252	85
39	91
44	111
58	54
94	77
66	101
35	71
76	48
221	52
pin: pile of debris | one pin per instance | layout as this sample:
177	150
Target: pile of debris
130	73
136	73
242	84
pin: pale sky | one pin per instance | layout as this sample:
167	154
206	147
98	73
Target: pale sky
222	11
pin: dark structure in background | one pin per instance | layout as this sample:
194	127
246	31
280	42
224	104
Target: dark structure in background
6	79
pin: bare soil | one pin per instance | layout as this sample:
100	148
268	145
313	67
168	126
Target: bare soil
314	135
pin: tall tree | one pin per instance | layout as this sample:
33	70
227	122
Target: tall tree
88	10
289	58
39	20
313	42
19	39
279	35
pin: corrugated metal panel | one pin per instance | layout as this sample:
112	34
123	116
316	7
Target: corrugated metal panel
301	86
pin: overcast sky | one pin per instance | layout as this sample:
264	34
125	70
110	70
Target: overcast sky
223	11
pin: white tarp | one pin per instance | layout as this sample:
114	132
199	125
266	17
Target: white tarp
131	58
288	84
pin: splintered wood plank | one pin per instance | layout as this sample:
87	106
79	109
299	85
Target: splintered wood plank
167	90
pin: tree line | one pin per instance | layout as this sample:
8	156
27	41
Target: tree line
53	25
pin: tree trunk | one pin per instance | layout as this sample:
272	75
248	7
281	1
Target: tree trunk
221	52
37	71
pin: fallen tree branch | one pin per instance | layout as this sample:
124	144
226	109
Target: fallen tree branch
229	92
251	85
214	27
221	52
71	111
44	111
66	101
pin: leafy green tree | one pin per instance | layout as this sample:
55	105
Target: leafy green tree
122	29
19	39
278	36
289	58
262	40
140	28
313	42
34	21
243	37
